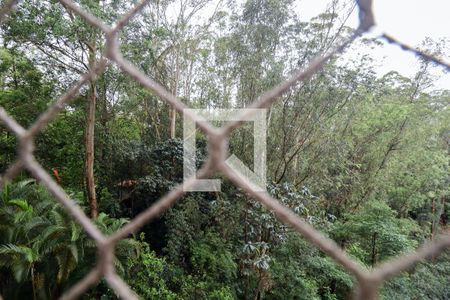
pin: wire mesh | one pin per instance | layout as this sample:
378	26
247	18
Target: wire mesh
369	281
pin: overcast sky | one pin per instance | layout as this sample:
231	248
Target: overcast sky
410	21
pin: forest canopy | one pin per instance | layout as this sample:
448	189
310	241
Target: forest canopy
361	156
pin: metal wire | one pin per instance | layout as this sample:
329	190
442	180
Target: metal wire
369	281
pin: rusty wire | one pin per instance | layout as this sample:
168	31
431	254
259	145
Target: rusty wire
369	281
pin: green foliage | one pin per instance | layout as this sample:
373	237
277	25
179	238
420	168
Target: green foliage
212	259
37	234
301	272
147	274
56	151
428	281
185	224
23	93
41	246
375	234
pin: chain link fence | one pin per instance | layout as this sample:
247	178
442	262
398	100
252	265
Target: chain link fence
368	281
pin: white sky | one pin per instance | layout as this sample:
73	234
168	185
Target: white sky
410	21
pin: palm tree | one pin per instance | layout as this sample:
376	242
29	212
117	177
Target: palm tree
41	245
22	238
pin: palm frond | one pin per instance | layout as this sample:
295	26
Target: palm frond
76	231
22	184
33	224
16	251
21	204
21	270
52	232
58	218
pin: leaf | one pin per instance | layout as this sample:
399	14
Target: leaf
22	204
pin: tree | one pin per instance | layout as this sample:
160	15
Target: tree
37	236
375	234
69	45
41	246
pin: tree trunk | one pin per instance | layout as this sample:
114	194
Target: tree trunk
173	112
172	117
374	249
433	220
89	144
89	138
33	283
